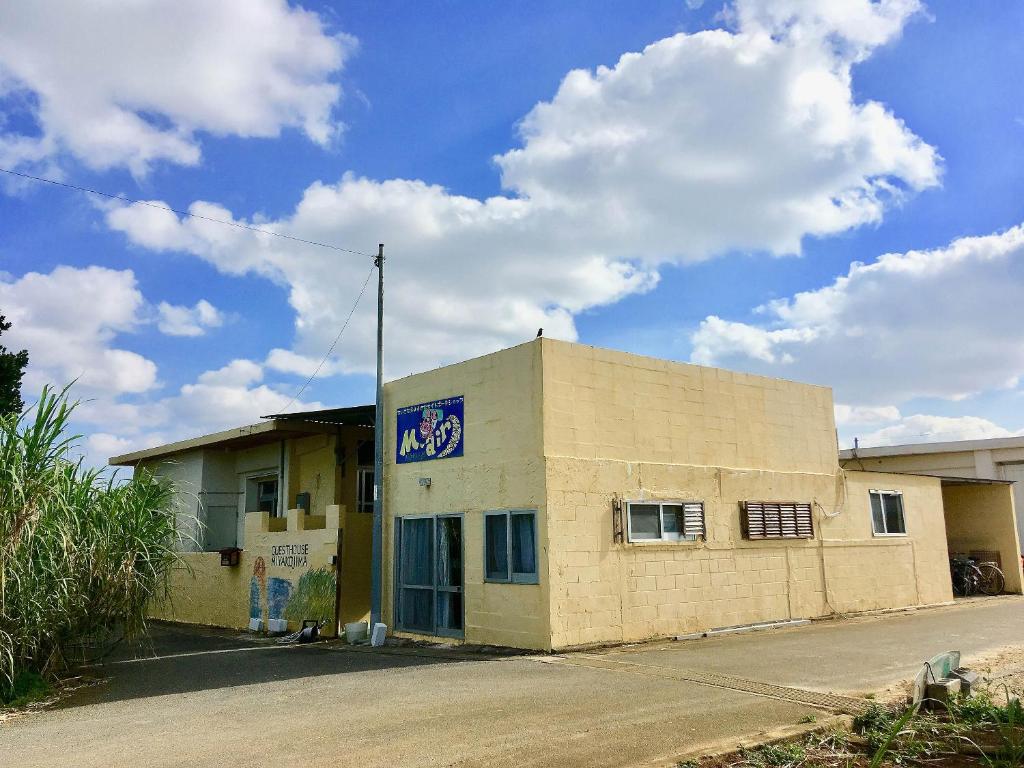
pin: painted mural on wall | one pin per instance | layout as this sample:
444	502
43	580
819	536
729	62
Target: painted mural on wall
257	588
312	596
430	431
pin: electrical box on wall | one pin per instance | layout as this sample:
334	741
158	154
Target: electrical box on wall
230	556
302	501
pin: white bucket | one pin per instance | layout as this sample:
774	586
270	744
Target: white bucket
355	631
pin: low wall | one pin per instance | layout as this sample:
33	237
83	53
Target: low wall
287	574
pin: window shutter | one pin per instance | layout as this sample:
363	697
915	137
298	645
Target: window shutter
804	521
778	520
693	519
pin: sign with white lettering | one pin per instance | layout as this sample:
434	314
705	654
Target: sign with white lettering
430	431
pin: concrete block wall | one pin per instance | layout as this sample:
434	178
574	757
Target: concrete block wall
633	428
502	468
602	404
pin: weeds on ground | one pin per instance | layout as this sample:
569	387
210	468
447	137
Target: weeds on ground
784	755
974	731
26	687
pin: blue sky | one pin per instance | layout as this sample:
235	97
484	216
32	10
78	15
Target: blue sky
433	93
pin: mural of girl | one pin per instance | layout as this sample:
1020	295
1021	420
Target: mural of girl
257	588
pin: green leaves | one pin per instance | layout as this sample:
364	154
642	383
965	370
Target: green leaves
81	552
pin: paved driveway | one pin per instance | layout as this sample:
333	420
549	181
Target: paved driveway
219	699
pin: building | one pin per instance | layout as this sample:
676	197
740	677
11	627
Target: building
554	495
1000	458
295	496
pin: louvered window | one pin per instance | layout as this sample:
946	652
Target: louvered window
666	521
777	520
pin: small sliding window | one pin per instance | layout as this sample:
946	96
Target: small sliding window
665	521
887	518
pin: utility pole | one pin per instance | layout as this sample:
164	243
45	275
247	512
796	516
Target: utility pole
377	546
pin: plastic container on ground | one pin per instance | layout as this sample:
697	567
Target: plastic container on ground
355	631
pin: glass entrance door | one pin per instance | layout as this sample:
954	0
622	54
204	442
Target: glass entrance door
429	575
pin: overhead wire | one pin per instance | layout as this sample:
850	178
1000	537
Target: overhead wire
333	343
236	225
157	206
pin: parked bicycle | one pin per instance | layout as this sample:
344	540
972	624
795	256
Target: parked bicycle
971	577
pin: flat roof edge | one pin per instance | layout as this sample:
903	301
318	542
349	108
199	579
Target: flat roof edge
192	443
914	449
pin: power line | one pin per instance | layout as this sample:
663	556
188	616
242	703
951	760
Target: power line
149	204
333	343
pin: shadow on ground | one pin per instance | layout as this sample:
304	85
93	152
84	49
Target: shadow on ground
176	659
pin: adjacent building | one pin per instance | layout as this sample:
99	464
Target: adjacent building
1000	458
555	495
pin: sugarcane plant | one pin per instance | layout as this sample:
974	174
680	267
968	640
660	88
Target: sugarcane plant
82	551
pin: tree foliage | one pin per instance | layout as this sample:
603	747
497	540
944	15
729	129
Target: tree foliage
12	368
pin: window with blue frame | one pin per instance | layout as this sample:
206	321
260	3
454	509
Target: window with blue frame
510	546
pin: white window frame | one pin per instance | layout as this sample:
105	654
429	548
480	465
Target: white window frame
511	576
257	480
662	539
903	511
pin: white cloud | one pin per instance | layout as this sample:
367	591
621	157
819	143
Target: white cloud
223	398
854	27
936	323
922	428
176	320
68	320
286	361
133	83
237	373
847	415
699	144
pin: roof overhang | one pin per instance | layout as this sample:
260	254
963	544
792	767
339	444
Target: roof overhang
972	481
276	428
354	416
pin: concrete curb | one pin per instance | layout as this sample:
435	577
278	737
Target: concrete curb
776	736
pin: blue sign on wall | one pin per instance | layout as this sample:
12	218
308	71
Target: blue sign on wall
430	431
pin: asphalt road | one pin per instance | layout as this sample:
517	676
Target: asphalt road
223	699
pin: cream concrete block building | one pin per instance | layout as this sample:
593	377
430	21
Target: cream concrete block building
554	495
999	458
648	486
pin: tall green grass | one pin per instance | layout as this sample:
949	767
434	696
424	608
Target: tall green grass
80	553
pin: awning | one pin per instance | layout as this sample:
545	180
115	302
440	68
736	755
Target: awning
354	416
972	481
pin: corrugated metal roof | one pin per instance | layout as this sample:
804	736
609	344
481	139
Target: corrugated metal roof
354	416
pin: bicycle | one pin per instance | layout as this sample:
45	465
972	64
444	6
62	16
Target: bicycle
966	576
991	580
971	577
